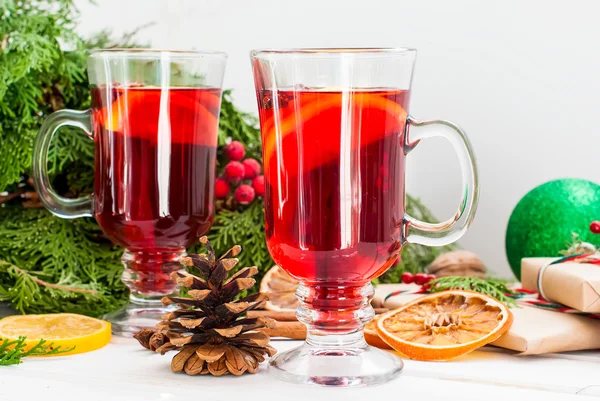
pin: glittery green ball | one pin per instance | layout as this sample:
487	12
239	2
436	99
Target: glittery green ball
544	220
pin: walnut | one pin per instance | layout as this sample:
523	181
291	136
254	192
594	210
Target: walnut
457	263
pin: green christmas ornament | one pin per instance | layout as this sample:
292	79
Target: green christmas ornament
545	219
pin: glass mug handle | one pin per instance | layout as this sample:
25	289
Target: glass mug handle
449	231
59	205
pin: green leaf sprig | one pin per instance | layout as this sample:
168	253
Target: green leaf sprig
12	352
493	287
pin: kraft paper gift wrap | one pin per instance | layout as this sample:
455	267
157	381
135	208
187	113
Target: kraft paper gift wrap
569	283
534	330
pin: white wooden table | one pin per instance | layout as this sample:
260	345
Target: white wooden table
124	371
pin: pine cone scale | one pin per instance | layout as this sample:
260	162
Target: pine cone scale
194	365
191	323
199	295
245	272
211	352
257	338
180	342
230	331
218	368
251	361
233	252
182	357
234	370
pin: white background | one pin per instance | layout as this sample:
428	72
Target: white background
521	77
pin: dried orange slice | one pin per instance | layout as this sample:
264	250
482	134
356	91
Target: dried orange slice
445	325
60	329
371	336
280	287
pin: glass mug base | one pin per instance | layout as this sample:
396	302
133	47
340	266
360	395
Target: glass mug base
343	361
148	276
335	352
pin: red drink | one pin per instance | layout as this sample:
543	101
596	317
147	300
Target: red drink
334	174
155	169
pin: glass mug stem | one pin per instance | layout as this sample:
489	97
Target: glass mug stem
334	309
148	275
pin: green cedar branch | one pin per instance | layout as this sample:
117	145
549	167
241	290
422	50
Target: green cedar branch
493	287
12	269
12	352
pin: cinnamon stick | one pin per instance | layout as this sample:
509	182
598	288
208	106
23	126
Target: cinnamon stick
292	330
288	316
280	316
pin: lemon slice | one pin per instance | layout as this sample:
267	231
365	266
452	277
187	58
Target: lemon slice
61	329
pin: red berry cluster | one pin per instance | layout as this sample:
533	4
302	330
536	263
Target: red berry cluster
242	174
419	278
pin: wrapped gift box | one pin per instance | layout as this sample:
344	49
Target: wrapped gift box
573	284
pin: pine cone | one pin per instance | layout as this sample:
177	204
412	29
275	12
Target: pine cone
208	329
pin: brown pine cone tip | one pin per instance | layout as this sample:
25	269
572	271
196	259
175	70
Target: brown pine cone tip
209	329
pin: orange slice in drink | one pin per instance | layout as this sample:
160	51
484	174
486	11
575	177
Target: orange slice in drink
280	287
319	126
445	325
189	115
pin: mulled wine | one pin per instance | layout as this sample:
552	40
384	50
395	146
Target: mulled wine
155	168
334	173
155	165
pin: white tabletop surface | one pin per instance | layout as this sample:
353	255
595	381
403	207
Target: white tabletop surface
124	371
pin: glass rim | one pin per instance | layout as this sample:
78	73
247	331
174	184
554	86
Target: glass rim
151	53
333	51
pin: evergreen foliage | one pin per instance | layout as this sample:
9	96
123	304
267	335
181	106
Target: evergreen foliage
48	264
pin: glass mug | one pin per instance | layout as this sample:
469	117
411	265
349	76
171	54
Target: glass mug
154	121
335	134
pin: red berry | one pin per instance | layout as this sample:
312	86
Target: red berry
244	194
408	278
234	172
421	278
221	188
259	185
252	168
235	151
595	227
